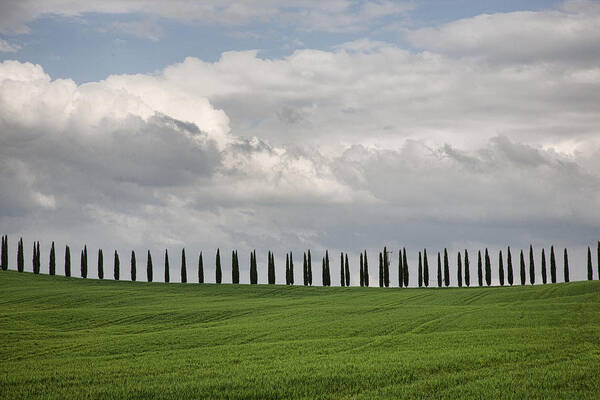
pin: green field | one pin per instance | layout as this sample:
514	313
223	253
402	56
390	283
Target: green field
63	338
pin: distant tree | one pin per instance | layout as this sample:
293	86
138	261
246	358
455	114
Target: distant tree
425	269
237	268
67	263
52	261
271	268
82	270
305	270
446	269
531	266
149	269
117	266
34	259
133	267
544	273
200	269
309	268
347	271
327	267
439	271
100	264
235	276
386	268
488	268
552	265
420	273
522	268
287	269
291	268
253	268
467	269
509	267
400	270
20	256
342	271
405	267
366	270
501	268
590	270
597	251
167	268
380	270
362	271
479	269
324	273
566	266
2	256
183	267
218	272
459	269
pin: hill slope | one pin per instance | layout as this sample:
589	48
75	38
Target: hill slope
70	338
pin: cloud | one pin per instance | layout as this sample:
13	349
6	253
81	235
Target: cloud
6	47
145	29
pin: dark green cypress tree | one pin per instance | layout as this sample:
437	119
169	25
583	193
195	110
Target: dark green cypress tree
2	249
20	256
446	269
459	269
467	269
149	269
439	271
52	261
327	268
133	267
271	269
362	271
597	251
85	259
347	271
117	267
590	270
552	265
82	271
305	270
420	273
509	267
287	269
400	270
291	268
83	263
324	273
380	270
501	269
100	264
167	267
425	269
366	270
566	265
309	268
218	272
386	268
39	257
200	269
488	268
67	263
342	271
253	268
544	272
479	269
531	266
183	267
522	268
34	259
233	268
405	267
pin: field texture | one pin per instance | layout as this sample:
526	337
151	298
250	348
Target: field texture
67	338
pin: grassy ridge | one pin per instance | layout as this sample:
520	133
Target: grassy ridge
70	338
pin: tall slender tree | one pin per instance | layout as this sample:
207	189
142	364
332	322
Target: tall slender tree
552	265
386	268
425	269
405	267
183	267
566	265
509	267
324	273
234	273
100	264
590	270
366	270
522	268
400	270
82	270
149	268
305	270
271	269
253	268
347	275
327	267
52	260
597	251
291	268
200	268
479	269
309	268
488	268
85	264
287	269
2	257
544	273
167	267
218	272
67	263
420	272
34	259
342	271
439	271
501	268
446	269
20	256
380	270
362	271
467	269
133	267
117	266
531	266
459	269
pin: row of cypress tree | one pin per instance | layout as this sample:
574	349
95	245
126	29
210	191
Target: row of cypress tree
484	268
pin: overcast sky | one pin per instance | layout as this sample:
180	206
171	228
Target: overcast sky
340	125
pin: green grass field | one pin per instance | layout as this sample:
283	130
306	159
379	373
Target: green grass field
66	338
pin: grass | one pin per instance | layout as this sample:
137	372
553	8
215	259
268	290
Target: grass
67	338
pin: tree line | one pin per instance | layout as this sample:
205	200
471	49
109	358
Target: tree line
505	272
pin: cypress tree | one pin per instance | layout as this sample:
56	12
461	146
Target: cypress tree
597	251
84	262
459	269
488	268
361	272
34	259
167	268
380	270
85	259
82	271
39	257
20	256
589	265
100	264
117	266
446	269
309	269
420	273
67	263
52	261
133	267
544	273
287	269
425	269
566	266
479	269
200	269
347	271
305	270
400	270
218	272
324	273
509	267
291	268
183	267
366	270
2	266
253	268
233	268
149	267
531	266
439	271
501	269
386	268
405	267
467	269
328	271
522	268
552	265
271	269
342	271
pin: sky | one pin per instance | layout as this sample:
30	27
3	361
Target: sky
288	125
